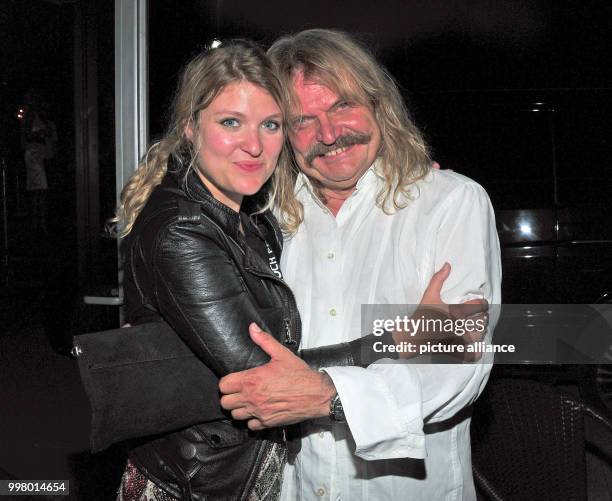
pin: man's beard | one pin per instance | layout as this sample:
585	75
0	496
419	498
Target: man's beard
344	141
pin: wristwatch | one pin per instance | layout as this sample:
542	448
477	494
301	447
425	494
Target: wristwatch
336	411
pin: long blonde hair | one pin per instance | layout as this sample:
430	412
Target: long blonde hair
337	61
201	81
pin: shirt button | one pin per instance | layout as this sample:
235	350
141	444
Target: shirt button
321	435
332	312
330	255
320	491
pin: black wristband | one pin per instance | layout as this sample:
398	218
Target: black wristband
363	351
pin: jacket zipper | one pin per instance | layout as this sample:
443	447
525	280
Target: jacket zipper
292	306
288	339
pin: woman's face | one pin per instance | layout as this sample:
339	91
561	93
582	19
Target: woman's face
238	139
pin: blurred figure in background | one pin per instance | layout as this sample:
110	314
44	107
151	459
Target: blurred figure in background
38	143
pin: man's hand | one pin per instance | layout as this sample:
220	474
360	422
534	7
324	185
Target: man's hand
283	391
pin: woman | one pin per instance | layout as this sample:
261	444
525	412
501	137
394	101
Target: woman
197	256
201	253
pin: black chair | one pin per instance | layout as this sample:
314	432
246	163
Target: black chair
528	442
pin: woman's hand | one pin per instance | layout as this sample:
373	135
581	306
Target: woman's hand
471	315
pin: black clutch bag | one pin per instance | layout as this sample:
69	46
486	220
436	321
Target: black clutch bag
142	381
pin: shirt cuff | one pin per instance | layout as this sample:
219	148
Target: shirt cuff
380	429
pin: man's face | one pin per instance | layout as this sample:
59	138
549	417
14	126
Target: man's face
335	141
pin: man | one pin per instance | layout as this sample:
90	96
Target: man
376	224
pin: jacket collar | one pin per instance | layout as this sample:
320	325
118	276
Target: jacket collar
227	219
194	189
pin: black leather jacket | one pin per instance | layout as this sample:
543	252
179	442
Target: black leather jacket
187	262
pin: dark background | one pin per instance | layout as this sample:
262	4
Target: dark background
427	46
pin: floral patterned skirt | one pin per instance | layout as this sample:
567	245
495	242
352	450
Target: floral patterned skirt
136	487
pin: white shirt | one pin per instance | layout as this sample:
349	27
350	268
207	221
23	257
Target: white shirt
364	256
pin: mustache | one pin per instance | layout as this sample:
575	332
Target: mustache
343	141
